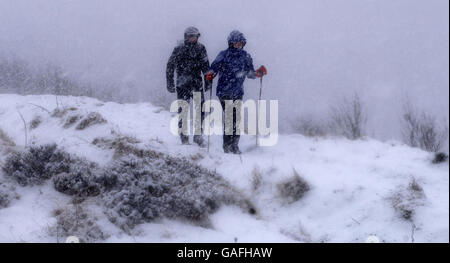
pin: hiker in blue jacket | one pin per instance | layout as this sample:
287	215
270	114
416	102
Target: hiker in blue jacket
233	65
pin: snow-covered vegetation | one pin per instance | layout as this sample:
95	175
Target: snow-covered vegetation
126	178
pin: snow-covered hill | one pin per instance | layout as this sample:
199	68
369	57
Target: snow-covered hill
357	188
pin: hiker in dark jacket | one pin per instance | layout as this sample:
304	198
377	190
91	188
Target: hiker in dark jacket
233	65
190	61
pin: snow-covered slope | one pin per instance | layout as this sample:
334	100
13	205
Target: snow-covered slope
355	185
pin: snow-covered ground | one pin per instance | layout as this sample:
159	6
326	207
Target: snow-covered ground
353	183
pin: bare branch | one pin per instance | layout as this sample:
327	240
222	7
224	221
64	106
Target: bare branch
422	130
25	125
348	118
42	108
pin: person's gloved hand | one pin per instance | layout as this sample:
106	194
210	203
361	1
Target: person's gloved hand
261	71
210	75
171	88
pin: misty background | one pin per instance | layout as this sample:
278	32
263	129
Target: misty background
316	51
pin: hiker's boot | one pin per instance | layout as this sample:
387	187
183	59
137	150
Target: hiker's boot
235	149
226	149
198	139
227	143
184	139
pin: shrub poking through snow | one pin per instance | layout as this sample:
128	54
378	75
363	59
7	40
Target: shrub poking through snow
71	175
5	140
416	188
71	120
141	185
310	126
294	188
196	157
348	118
144	188
405	201
79	180
7	194
74	220
256	178
121	144
37	120
36	164
440	158
61	112
4	199
91	119
422	129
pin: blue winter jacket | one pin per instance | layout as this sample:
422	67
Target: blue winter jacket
233	66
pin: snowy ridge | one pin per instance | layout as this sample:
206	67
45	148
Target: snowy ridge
356	186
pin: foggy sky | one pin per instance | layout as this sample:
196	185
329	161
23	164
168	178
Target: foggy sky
316	51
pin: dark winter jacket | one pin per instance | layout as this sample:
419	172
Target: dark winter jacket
233	66
189	61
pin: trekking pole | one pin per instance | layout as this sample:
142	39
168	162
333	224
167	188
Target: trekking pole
257	115
209	123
